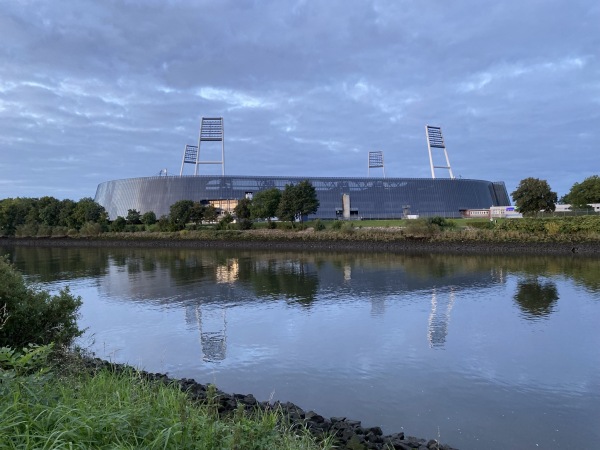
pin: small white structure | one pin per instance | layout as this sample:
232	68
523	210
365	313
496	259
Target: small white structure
504	212
567	208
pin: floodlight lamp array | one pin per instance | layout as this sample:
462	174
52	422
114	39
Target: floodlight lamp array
434	137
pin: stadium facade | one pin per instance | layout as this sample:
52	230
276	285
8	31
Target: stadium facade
347	198
350	198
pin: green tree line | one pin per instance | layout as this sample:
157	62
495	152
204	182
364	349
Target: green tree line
48	216
533	195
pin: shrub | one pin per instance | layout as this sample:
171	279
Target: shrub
118	224
44	231
60	231
337	225
318	225
26	230
245	224
347	228
34	316
90	229
441	222
421	228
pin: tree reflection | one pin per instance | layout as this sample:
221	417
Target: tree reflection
535	298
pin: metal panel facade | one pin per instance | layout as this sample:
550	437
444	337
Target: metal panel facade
373	198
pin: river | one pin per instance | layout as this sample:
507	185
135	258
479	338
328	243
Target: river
479	352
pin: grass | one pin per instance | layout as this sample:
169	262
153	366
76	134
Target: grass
110	410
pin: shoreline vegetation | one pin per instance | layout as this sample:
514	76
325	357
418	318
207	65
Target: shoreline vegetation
557	236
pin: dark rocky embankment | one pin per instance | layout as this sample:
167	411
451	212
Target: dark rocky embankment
348	434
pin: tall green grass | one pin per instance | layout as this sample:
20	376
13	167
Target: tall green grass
111	410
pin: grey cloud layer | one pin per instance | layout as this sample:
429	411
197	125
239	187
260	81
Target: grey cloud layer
91	91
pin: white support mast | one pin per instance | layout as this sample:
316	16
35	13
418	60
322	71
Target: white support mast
436	140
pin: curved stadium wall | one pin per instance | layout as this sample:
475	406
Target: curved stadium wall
370	198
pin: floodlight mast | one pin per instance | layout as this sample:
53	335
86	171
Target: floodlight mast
211	130
376	161
436	140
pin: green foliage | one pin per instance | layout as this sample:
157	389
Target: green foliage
180	213
584	193
318	225
24	369
534	195
197	213
224	222
243	209
297	201
120	409
87	210
164	223
421	228
148	218
264	204
118	224
568	226
337	225
90	229
34	316
441	222
133	217
210	213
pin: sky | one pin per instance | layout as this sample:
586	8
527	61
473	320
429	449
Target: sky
92	91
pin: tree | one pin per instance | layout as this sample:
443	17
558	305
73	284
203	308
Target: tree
87	210
180	213
298	201
243	212
210	213
197	213
265	203
49	211
119	224
148	218
243	209
584	193
307	198
133	217
534	195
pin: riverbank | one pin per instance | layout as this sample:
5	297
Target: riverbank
314	241
346	433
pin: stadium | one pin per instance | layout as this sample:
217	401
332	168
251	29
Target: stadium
339	198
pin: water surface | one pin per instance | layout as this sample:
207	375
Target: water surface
478	352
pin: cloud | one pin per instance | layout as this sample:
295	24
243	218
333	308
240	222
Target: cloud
304	87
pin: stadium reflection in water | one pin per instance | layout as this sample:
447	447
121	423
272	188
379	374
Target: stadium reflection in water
459	347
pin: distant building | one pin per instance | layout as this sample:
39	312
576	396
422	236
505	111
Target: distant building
365	198
339	198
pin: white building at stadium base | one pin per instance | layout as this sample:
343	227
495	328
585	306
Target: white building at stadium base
348	198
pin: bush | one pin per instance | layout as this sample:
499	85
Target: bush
60	231
337	225
245	224
318	225
118	224
44	231
441	222
90	229
26	230
34	316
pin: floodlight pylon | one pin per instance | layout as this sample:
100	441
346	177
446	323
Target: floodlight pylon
211	130
436	140
376	161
